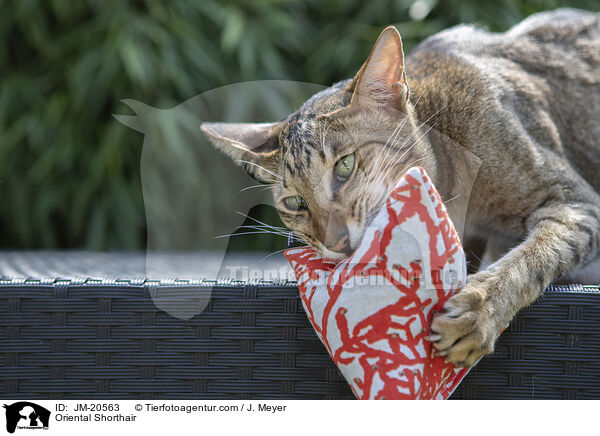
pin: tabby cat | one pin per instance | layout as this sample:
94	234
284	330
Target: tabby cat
525	104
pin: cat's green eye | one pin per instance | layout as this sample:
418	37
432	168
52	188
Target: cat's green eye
344	167
294	202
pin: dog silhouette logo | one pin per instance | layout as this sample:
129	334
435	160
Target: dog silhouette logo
26	415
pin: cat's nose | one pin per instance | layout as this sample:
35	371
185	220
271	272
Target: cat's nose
340	243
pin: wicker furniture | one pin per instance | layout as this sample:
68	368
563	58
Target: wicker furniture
105	339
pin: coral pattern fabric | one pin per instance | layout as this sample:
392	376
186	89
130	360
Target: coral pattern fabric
373	310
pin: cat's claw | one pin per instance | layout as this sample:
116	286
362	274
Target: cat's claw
466	330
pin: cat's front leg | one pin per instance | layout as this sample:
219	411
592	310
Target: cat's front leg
561	237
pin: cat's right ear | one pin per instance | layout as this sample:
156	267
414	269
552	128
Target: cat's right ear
381	79
254	146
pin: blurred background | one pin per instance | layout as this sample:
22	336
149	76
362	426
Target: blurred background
70	172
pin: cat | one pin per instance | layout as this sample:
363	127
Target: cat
525	103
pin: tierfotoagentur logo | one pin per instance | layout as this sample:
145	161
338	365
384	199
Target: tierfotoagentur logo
26	415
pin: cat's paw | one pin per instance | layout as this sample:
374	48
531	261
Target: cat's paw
466	330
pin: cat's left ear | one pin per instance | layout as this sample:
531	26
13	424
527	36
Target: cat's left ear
254	146
381	79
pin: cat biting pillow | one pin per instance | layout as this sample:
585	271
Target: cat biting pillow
372	311
525	109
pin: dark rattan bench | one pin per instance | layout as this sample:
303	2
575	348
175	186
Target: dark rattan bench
105	339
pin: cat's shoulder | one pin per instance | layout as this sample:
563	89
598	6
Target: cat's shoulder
541	44
552	26
565	23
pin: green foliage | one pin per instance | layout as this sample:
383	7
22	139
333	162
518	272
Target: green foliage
69	173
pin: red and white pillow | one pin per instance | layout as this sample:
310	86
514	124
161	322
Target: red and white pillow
373	310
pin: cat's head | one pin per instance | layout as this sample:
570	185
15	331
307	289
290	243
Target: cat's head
332	163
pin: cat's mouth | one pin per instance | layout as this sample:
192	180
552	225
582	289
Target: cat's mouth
347	245
334	255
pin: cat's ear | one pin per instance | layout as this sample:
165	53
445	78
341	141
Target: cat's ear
381	78
254	146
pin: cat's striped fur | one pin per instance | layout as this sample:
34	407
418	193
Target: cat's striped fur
520	111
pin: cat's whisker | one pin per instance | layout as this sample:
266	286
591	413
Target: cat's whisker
382	159
280	230
272	254
381	178
419	99
324	129
392	185
265	227
415	131
250	233
381	173
381	200
230	235
401	173
261	167
262	185
393	159
254	219
282	233
394	162
261	226
453	198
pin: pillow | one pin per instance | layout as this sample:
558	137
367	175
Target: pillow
372	311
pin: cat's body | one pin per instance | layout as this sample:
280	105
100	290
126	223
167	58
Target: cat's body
515	114
526	102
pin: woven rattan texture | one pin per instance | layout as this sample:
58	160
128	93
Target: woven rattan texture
88	341
70	340
550	351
